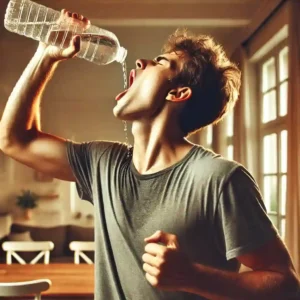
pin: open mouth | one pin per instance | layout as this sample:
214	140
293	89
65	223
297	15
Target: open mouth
132	76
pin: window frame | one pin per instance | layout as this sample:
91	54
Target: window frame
274	126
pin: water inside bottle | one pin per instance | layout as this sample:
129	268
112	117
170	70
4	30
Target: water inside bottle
94	47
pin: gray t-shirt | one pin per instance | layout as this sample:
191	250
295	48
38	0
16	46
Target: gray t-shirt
213	206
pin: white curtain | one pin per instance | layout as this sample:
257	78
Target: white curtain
293	185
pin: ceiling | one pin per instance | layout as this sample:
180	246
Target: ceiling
229	21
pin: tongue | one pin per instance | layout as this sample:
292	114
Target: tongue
118	97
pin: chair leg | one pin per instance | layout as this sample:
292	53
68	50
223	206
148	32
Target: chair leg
8	257
38	297
77	258
47	257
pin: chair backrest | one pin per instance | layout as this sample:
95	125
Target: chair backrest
78	248
12	247
23	288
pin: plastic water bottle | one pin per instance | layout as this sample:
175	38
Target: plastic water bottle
44	24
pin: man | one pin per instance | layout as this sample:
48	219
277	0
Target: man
172	219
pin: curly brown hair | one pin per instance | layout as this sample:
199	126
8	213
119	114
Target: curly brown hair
213	78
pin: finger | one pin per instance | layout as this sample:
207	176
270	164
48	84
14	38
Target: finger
152	280
155	249
76	43
75	15
170	240
86	20
154	237
153	271
154	261
73	48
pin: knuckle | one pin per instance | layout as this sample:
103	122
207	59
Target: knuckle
164	252
161	262
158	274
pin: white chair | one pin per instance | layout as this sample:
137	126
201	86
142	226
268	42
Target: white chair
78	248
12	247
24	288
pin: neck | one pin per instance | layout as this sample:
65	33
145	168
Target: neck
157	145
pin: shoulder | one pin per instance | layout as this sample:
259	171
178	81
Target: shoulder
97	148
207	163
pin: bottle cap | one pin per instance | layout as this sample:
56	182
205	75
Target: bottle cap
121	55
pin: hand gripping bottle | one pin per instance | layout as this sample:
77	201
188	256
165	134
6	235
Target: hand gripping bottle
44	24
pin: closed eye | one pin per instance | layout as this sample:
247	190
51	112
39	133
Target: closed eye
159	59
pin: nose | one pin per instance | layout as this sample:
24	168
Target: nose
141	64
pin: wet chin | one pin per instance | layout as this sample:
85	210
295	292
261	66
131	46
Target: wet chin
117	112
120	112
128	113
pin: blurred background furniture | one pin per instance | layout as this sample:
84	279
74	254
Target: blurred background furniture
69	281
78	248
35	287
12	248
61	236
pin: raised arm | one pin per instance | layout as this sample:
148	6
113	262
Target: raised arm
21	137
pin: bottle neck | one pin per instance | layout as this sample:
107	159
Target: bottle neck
121	55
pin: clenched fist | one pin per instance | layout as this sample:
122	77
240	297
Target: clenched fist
165	265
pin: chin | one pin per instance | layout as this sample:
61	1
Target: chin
120	113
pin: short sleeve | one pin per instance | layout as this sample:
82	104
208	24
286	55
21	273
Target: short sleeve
83	159
241	222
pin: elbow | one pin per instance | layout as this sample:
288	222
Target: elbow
4	142
10	141
5	145
4	138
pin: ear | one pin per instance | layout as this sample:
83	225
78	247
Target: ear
179	94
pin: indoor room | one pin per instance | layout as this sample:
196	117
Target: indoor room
60	229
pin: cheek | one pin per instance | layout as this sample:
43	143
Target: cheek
151	88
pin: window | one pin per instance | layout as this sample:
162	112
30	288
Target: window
206	137
229	134
209	136
273	106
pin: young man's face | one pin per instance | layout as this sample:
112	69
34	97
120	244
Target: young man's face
149	84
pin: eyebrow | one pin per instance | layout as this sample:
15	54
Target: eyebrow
171	62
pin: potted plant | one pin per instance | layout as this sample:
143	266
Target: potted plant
27	201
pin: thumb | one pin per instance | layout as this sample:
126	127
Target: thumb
168	239
74	47
155	237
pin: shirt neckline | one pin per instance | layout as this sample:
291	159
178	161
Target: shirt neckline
158	173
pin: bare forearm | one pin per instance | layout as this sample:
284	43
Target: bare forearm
223	285
22	109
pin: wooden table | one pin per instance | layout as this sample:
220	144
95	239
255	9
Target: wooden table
68	280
